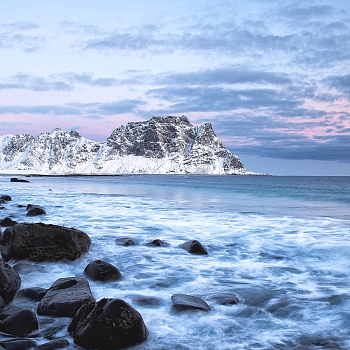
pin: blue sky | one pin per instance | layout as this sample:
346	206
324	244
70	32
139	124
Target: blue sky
271	76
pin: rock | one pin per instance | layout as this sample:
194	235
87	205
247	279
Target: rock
42	242
18	321
6	198
32	206
183	302
14	179
18	344
102	271
65	297
108	324
2	208
125	241
36	211
33	293
147	301
225	298
7	222
157	243
2	303
10	281
54	344
194	247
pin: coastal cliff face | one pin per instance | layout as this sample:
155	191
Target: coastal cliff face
170	145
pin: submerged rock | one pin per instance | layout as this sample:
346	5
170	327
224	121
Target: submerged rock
125	241
147	301
42	242
18	321
36	211
14	179
184	302
65	297
17	344
108	324
99	270
6	198
157	243
194	247
33	293
10	281
8	222
225	298
54	344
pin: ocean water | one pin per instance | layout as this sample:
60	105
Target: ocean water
280	244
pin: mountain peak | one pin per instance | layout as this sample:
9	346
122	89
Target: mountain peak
170	145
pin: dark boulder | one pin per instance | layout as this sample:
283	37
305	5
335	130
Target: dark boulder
15	179
8	222
18	321
108	324
10	281
194	247
6	198
99	270
65	297
125	241
32	206
54	344
36	211
33	293
184	302
18	344
2	208
157	243
42	242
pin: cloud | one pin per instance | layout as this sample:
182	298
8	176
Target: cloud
14	35
86	110
226	75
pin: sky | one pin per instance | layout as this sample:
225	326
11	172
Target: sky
272	76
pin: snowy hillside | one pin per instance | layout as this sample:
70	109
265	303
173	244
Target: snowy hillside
170	145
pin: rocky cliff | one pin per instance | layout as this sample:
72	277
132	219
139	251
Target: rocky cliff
170	145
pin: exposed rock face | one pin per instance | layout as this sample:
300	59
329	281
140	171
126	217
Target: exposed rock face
18	321
42	242
170	145
108	324
103	271
10	281
65	297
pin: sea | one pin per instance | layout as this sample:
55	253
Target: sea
280	244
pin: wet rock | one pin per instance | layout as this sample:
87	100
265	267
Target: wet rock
42	242
36	211
99	270
125	241
18	344
108	324
8	222
225	298
6	198
2	208
147	301
184	302
18	321
157	243
10	281
33	293
65	297
54	344
15	179
194	247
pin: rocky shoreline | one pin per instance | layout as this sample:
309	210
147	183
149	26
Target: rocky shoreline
68	305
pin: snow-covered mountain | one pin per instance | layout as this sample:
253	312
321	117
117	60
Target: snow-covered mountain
170	145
